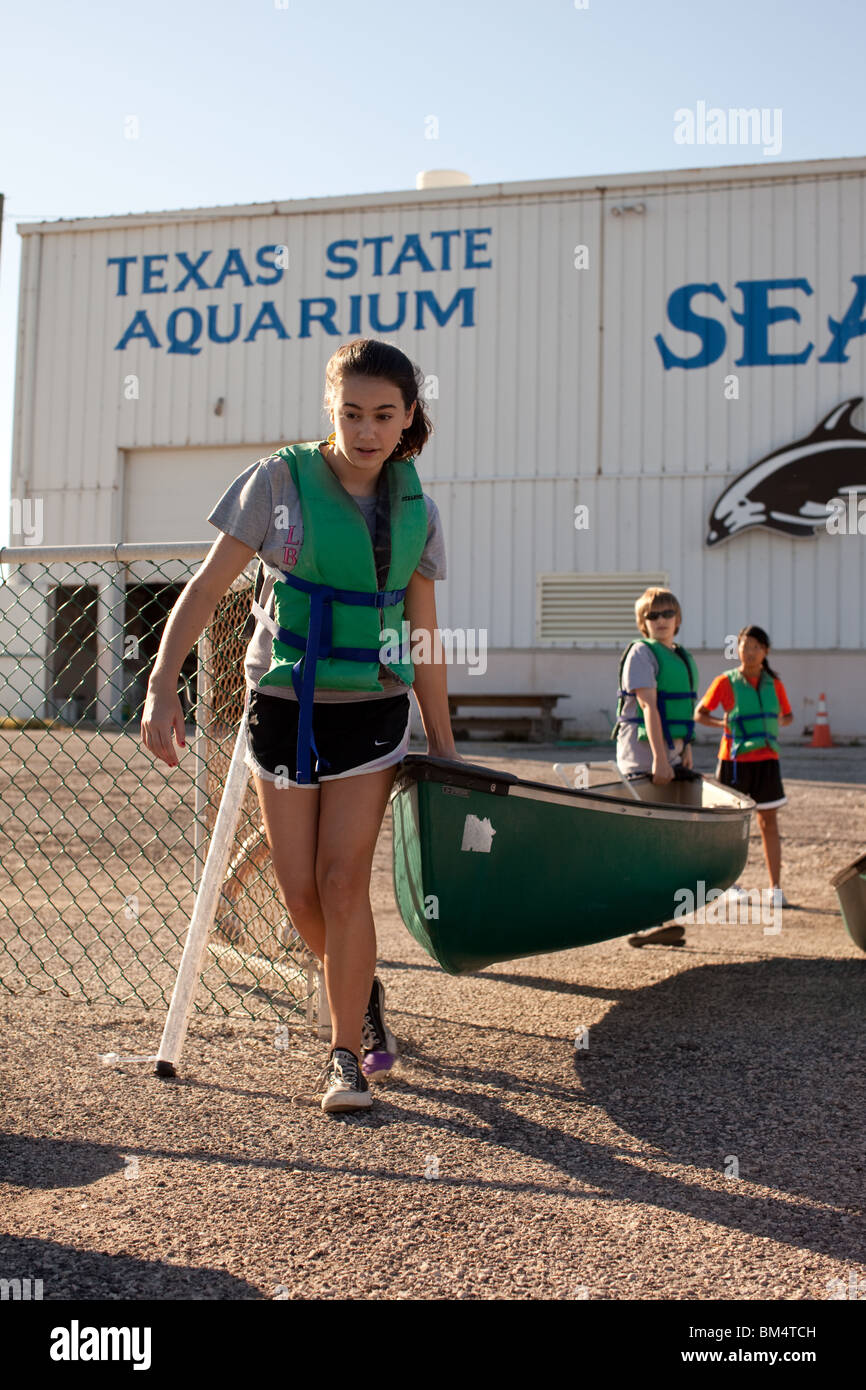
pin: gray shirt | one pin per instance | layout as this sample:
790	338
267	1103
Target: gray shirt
262	508
634	754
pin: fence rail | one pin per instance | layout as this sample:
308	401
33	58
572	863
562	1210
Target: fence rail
101	844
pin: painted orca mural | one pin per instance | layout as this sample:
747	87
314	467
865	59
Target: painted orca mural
789	489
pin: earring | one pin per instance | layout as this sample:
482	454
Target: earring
332	437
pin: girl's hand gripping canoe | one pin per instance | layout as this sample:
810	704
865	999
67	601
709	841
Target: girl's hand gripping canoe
662	772
434	750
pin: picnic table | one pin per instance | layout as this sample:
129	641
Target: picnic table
541	726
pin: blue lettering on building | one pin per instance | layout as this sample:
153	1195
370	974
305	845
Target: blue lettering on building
853	325
756	321
192	271
266	318
187	327
213	332
177	343
757	316
453	249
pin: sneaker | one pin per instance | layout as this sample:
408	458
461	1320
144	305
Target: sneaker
660	936
345	1084
779	899
736	893
378	1045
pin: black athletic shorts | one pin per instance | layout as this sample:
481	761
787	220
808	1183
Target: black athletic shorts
760	779
354	736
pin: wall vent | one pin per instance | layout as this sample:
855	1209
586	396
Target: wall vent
582	609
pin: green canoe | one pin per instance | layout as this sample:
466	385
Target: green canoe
850	887
489	867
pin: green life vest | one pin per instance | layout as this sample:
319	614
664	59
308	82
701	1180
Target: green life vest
676	693
332	609
338	551
754	720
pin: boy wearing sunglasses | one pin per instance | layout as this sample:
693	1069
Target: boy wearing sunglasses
654	729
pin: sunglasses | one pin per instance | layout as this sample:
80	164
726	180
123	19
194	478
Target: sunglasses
661	613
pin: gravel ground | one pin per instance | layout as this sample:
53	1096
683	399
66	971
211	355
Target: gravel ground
706	1144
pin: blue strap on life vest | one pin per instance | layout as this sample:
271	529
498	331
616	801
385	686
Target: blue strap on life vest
662	697
744	734
318	643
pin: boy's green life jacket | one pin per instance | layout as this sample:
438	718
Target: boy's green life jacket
676	693
754	720
343	592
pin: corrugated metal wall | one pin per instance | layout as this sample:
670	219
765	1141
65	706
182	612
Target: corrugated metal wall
556	396
678	428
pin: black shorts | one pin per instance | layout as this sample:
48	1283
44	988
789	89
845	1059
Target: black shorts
354	736
760	779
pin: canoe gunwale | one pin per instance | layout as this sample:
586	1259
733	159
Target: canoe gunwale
422	767
852	870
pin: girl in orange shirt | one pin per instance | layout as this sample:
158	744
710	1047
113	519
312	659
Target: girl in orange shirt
755	703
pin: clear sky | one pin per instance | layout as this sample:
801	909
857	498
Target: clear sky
254	100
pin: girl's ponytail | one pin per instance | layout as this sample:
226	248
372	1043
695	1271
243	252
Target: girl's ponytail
769	670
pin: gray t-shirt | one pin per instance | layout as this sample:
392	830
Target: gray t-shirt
634	754
262	508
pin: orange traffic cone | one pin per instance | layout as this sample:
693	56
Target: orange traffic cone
821	735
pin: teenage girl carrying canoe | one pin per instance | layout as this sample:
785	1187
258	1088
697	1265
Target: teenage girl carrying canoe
349	547
755	703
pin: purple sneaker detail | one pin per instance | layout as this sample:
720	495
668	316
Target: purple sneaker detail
378	1045
376	1062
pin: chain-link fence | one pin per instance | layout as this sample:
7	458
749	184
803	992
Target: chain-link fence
101	844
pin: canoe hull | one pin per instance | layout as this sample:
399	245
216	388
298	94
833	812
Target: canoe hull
521	869
850	887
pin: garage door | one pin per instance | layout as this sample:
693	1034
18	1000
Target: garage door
169	492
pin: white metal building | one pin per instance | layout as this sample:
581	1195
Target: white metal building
604	356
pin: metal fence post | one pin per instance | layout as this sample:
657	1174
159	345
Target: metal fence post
111	614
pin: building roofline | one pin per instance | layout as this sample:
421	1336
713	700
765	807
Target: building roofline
467	193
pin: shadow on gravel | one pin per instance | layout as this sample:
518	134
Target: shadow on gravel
756	1068
528	981
68	1273
768	1055
30	1161
761	1063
